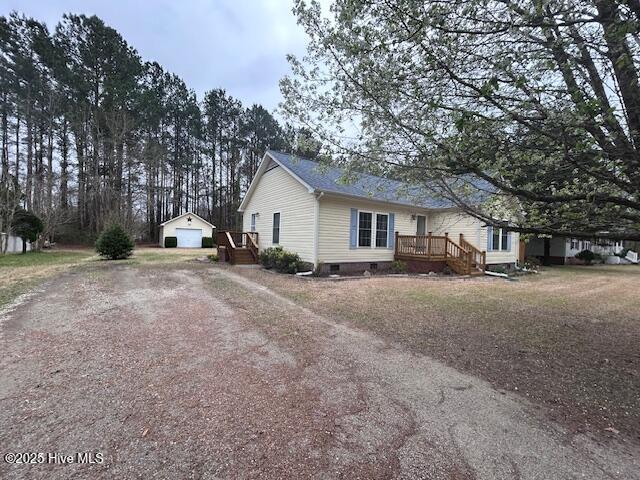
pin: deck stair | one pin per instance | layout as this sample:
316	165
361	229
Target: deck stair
241	248
463	257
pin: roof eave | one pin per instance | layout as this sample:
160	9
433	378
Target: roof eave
261	170
387	202
187	213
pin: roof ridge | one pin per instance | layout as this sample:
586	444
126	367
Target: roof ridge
340	168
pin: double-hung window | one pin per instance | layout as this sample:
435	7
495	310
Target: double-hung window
276	229
500	239
365	228
382	229
373	229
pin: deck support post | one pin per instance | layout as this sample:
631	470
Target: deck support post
446	244
429	245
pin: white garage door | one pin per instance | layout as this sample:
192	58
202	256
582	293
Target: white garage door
189	237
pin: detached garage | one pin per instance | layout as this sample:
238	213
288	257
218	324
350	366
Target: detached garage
188	228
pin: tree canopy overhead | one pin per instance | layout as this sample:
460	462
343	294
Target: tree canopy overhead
538	99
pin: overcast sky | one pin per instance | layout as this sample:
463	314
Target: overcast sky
236	45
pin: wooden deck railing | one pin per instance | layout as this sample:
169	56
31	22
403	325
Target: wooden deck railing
461	258
478	257
233	241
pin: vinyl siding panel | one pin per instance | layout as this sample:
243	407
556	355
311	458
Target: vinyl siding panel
456	222
334	225
277	191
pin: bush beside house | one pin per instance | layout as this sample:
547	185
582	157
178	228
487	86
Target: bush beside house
281	260
588	257
170	242
207	242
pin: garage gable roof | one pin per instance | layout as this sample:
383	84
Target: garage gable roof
187	213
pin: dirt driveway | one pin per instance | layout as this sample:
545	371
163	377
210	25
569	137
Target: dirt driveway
190	371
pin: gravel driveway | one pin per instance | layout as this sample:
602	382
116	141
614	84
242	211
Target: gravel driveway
194	372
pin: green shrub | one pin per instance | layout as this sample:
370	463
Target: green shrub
587	256
268	256
170	242
532	262
213	258
282	260
288	262
207	242
26	225
114	243
398	266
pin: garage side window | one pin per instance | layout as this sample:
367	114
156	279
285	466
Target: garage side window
276	228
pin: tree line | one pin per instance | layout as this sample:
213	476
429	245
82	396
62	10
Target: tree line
92	134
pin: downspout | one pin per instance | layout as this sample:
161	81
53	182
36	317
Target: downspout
316	227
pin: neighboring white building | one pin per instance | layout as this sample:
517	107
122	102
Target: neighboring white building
13	244
563	250
307	208
188	228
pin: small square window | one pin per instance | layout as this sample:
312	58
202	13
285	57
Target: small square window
334	268
373	266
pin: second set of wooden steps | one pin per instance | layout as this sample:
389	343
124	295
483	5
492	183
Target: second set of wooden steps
238	248
463	258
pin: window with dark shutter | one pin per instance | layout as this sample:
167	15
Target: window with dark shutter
364	229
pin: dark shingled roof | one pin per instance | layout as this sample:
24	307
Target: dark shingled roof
332	180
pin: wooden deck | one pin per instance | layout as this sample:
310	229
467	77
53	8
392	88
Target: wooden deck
463	257
239	248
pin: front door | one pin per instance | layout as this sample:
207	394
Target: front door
422	225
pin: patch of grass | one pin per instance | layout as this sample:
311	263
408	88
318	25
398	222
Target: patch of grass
155	257
33	259
20	272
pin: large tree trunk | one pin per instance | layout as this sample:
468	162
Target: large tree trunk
49	198
64	165
29	179
5	138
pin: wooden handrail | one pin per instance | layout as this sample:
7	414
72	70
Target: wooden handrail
235	240
253	244
230	241
459	256
478	256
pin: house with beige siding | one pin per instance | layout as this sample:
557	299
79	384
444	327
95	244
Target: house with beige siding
365	224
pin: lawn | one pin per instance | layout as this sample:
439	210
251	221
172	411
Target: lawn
21	272
566	339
